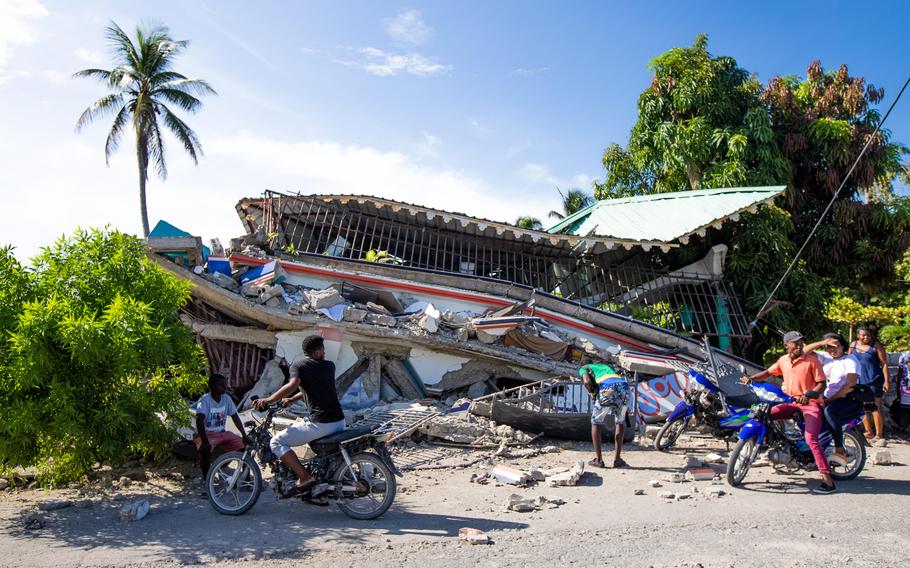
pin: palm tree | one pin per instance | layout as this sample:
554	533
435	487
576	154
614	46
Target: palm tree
573	201
140	84
528	222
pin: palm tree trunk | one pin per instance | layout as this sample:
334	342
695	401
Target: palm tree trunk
142	158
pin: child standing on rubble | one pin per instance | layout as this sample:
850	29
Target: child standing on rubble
212	412
611	394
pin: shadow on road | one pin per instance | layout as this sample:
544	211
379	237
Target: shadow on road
193	533
862	485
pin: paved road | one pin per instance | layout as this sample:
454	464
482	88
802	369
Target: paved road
773	521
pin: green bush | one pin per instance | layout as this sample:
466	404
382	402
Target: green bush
93	356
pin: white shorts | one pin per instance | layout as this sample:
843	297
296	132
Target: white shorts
301	432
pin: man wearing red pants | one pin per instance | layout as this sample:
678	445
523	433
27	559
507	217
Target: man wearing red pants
803	373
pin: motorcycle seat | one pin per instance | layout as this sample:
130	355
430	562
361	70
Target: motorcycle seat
742	400
340	437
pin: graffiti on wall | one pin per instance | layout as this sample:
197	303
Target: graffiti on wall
659	396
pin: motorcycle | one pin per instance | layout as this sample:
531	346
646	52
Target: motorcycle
353	469
712	410
787	447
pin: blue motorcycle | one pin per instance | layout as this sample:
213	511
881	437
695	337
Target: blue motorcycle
708	408
787	448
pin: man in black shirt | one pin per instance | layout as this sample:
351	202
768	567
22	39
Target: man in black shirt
315	377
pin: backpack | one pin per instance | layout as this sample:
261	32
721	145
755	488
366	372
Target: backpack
862	393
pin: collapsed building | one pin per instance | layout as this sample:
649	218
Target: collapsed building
415	302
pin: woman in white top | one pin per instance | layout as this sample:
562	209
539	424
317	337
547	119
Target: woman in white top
841	371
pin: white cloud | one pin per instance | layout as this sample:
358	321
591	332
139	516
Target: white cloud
16	18
407	27
90	56
70	186
539	176
384	64
523	72
428	148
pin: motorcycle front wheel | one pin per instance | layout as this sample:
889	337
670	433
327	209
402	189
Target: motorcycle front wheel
369	491
741	459
669	433
233	483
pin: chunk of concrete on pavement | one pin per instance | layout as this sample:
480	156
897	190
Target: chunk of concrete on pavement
135	511
714	458
520	504
510	475
881	457
474	536
705	474
655	483
569	478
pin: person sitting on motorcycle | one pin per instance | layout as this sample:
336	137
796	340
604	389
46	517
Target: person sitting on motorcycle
841	371
315	377
611	395
212	411
804	380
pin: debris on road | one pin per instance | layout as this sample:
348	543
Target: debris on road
135	511
714	458
881	457
704	474
550	501
655	483
639	492
569	478
668	495
520	504
510	475
474	536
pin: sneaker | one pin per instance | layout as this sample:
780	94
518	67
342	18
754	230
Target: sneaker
823	488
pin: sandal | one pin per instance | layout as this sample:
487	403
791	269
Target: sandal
619	462
596	463
301	489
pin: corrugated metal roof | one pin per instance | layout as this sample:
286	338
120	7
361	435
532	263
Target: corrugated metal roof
665	217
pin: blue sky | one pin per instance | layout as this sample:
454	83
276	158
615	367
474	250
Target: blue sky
480	107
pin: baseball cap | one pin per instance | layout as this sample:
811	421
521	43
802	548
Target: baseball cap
792	336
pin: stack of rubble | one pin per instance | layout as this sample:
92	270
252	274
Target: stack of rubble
466	428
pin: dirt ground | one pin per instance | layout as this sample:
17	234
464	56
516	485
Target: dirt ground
772	521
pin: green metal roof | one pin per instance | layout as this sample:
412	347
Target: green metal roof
665	217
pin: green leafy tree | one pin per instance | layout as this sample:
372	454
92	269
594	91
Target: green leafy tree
94	356
573	201
701	124
527	222
142	85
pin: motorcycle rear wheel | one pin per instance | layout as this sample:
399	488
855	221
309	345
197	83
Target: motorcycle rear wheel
669	433
231	494
856	451
378	487
741	459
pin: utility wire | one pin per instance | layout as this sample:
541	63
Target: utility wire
830	204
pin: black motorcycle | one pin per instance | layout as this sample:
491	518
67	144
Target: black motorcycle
353	469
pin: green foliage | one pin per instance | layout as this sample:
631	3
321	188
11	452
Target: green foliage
701	124
573	201
95	355
528	222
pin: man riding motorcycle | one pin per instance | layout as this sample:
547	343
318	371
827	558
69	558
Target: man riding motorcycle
315	378
804	380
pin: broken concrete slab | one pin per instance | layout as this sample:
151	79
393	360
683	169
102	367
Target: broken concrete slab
381	320
667	495
703	474
474	536
510	475
716	492
655	483
353	315
538	474
881	457
569	478
714	458
326	298
550	501
638	492
520	504
135	511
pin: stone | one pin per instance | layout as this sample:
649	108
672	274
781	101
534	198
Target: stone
551	501
520	504
681	496
474	536
381	319
716	492
676	477
135	511
32	521
125	481
651	431
638	492
225	281
538	474
655	483
881	457
274	302
353	315
4	483
880	443
54	504
667	495
324	298
569	478
267	293
298	308
714	458
693	461
463	335
510	475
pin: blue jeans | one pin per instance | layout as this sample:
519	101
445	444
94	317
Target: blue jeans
836	413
